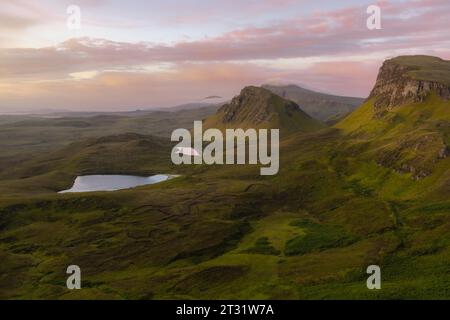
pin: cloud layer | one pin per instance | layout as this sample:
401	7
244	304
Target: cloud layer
330	50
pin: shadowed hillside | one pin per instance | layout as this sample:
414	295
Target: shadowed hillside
321	106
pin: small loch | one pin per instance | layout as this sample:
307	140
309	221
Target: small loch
92	183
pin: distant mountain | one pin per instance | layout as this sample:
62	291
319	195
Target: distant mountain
257	107
212	105
318	105
192	106
407	115
212	98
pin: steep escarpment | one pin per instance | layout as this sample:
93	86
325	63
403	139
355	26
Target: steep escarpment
406	118
410	79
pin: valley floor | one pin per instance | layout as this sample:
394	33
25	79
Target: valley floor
226	233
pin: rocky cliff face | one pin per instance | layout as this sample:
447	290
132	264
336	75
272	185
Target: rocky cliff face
398	84
409	130
417	155
253	106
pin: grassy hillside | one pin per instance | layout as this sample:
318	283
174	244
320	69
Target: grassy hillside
374	189
412	138
226	232
22	134
120	154
432	113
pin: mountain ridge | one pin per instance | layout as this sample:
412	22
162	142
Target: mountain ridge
319	105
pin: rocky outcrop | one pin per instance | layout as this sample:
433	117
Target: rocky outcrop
406	117
396	85
444	152
256	107
414	154
253	106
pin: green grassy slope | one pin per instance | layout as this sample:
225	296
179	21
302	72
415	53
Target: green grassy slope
119	154
412	138
371	190
23	136
226	232
430	114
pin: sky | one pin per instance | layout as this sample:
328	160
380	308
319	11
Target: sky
134	54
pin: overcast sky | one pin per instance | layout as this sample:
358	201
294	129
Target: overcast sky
143	54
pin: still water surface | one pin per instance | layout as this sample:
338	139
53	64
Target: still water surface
112	182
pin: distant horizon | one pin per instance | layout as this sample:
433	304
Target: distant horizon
144	55
44	111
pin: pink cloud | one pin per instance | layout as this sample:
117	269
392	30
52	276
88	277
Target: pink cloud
186	83
197	68
340	32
